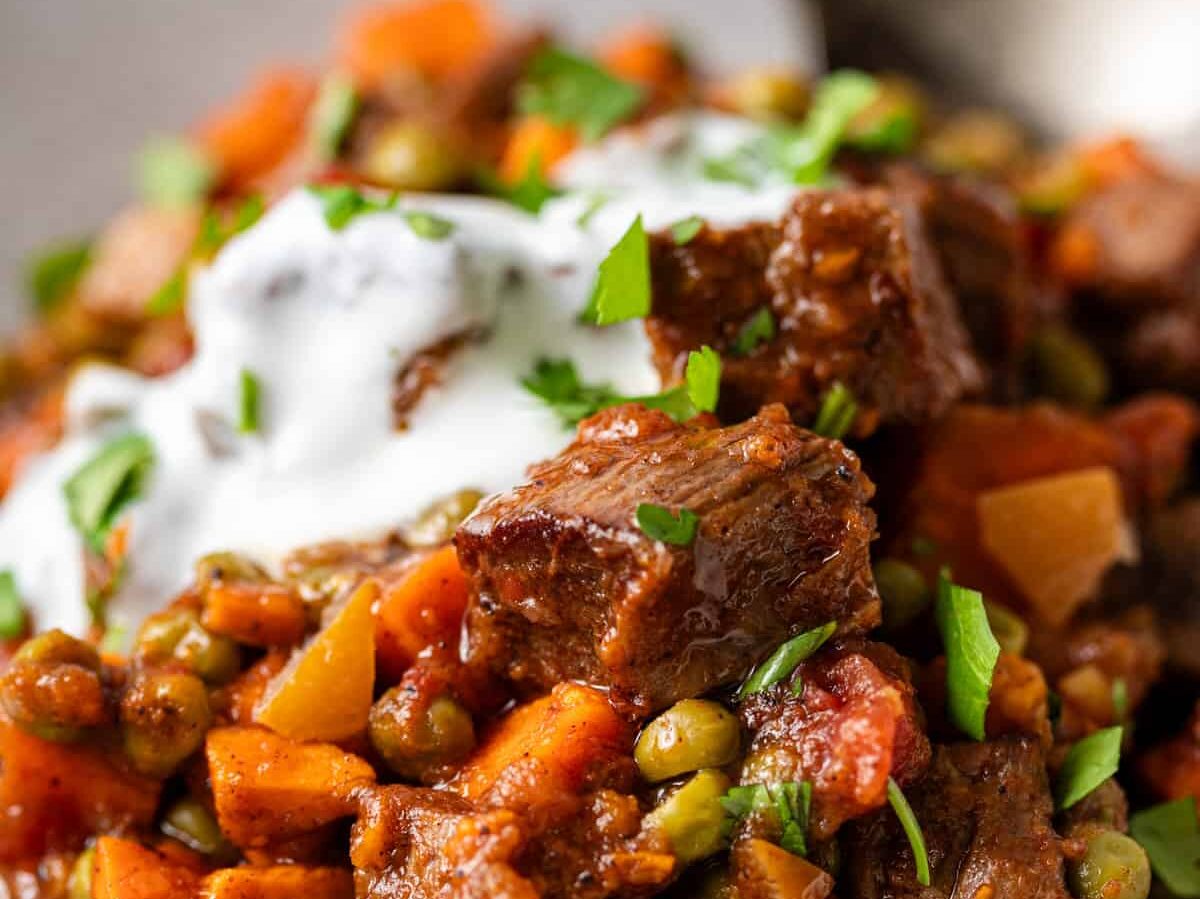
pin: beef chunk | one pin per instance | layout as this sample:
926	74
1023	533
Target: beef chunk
565	586
985	811
857	294
854	724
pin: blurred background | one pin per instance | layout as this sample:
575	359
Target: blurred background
86	81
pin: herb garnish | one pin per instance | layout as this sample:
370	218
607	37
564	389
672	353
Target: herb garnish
248	402
12	610
173	172
1089	763
837	413
341	203
530	193
1170	834
912	829
556	382
684	230
571	90
429	226
594	204
971	654
783	661
791	801
332	114
658	523
622	289
757	329
113	478
53	272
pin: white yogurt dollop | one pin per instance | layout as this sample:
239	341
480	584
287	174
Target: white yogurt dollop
324	320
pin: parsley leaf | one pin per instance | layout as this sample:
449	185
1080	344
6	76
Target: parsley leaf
1089	763
703	378
571	90
169	298
912	829
757	329
658	523
113	478
332	114
622	290
1170	835
837	413
531	193
173	172
684	230
429	226
53	272
743	166
783	661
248	402
971	654
12	610
342	203
790	801
805	151
595	204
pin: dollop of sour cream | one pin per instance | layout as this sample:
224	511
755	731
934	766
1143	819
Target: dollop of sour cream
324	320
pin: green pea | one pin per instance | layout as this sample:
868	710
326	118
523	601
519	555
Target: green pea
690	735
79	881
1114	867
1009	629
766	93
227	566
189	822
57	648
1066	368
164	717
416	741
692	816
178	636
411	156
437	523
903	591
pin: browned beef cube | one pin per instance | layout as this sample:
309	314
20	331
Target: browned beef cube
857	295
985	811
566	586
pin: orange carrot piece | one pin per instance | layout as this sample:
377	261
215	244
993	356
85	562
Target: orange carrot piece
122	869
435	38
546	748
235	703
763	869
278	882
255	132
423	608
646	55
536	145
255	614
267	787
65	793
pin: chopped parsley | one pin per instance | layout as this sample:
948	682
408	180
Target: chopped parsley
1089	763
332	114
837	413
659	523
169	298
790	801
428	226
912	829
248	402
622	289
743	166
570	90
341	204
971	654
12	610
556	382
783	661
757	329
174	172
684	230
113	478
1170	834
594	204
52	273
530	193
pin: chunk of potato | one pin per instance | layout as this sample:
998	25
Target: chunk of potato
123	869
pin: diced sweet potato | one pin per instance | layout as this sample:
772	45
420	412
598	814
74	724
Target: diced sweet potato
53	796
546	748
235	702
278	882
1056	536
423	607
650	57
268	787
255	614
122	869
434	38
325	691
536	145
764	871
